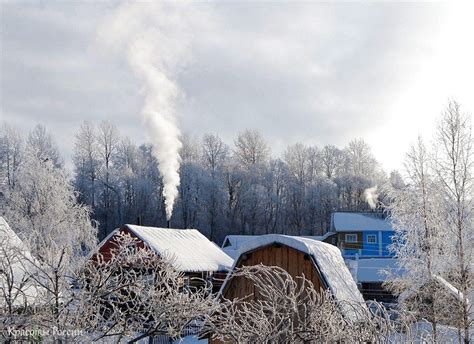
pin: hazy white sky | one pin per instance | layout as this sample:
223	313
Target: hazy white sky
298	72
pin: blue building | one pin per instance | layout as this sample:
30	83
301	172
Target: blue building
365	235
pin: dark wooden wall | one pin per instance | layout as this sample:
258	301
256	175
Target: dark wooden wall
290	259
351	245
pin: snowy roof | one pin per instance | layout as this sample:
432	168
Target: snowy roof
235	241
373	269
359	222
327	258
232	243
449	287
21	263
188	249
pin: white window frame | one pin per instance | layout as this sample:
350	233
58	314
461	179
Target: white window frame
372	236
351	235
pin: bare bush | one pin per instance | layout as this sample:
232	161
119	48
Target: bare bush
135	291
287	310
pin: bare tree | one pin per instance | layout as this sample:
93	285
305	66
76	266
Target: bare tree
360	159
10	153
42	144
332	160
18	292
251	149
107	139
86	162
214	152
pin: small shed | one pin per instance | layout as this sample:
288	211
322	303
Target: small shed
320	262
188	250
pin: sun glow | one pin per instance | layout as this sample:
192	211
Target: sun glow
446	72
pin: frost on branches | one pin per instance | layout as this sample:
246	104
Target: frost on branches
136	291
285	310
433	217
42	208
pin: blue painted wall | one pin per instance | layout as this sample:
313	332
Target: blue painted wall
370	249
387	240
373	250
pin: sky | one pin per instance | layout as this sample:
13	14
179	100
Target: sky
316	73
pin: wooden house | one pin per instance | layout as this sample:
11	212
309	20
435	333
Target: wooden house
187	249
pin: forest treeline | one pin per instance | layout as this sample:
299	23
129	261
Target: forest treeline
237	189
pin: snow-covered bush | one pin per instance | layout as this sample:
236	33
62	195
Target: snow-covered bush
132	290
285	310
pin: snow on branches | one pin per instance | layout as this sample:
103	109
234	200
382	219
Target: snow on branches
287	310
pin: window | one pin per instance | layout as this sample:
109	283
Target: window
351	237
372	239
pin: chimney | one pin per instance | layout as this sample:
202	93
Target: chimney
139	220
169	223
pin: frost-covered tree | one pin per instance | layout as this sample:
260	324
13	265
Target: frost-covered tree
18	290
214	152
454	166
214	156
251	149
43	210
11	144
332	161
107	142
41	143
433	216
419	246
86	163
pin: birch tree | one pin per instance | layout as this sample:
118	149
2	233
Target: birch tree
420	235
43	210
454	165
11	144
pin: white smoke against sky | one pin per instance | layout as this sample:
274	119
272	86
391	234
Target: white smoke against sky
371	196
155	38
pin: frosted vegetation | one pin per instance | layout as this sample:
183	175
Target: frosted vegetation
240	189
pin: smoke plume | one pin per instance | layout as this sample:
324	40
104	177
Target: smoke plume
371	196
154	38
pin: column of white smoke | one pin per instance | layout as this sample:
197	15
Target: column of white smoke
155	38
371	196
160	117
